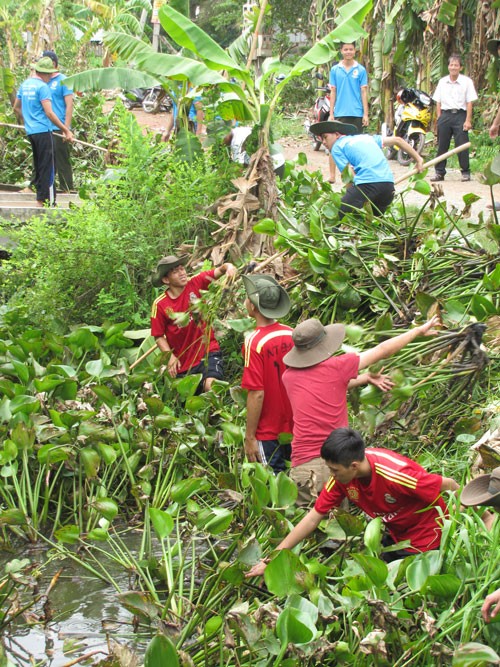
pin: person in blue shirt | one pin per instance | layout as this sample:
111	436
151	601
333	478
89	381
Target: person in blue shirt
348	93
62	105
34	104
373	178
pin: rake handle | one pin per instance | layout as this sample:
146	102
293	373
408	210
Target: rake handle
431	163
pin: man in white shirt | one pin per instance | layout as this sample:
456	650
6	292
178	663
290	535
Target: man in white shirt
454	96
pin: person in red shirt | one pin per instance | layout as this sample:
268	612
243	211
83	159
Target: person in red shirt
382	483
268	409
192	346
317	382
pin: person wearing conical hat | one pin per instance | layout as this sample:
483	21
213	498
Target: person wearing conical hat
373	178
34	105
269	415
191	345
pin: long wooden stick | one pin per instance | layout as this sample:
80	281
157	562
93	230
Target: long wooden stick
431	163
76	141
143	356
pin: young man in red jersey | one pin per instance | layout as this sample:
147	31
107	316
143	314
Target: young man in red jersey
268	409
381	483
193	348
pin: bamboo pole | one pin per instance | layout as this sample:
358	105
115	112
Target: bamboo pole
76	141
256	33
431	163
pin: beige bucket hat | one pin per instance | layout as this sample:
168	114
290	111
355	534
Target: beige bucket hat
314	343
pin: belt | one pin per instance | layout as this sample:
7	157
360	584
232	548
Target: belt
453	110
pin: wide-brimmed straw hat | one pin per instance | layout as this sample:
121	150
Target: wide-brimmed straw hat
44	66
165	265
493	45
267	295
314	343
484	490
330	126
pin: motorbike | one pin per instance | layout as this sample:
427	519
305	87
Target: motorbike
156	99
320	111
412	120
133	98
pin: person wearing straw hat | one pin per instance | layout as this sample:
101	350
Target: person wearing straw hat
485	490
62	104
188	340
384	484
373	178
34	104
269	414
317	382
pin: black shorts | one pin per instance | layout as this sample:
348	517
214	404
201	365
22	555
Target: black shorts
380	196
357	121
210	367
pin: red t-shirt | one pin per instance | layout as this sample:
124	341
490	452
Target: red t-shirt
318	396
263	353
400	491
188	343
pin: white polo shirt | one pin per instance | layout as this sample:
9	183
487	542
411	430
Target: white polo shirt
455	94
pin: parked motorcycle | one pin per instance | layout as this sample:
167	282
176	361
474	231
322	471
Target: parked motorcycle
412	120
320	111
132	99
156	99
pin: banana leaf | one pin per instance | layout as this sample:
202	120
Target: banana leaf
110	77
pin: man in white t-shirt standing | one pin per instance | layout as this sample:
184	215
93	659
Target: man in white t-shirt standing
454	96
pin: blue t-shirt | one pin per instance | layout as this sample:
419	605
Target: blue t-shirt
348	89
32	93
364	153
59	91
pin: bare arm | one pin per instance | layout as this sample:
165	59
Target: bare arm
438	109
449	484
18	109
168	130
333	97
225	269
468	118
47	107
401	143
68	100
393	345
383	382
255	400
495	126
173	364
489	611
302	530
364	100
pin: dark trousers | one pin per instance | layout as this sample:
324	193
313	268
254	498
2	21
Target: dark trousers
64	171
44	162
380	196
452	125
275	455
352	120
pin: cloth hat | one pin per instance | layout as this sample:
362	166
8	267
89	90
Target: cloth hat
484	490
330	126
267	295
52	56
493	45
165	265
44	66
314	343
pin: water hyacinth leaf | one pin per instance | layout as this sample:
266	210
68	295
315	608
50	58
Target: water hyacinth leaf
285	574
49	382
286	490
90	461
155	405
164	420
261	494
16	565
8	452
161	652
107	507
17	369
84	338
442	585
351	525
98	535
295	626
107	452
186	488
373	535
105	394
95	368
251	553
473	654
12	517
482	307
163	523
373	567
421	568
232	433
265	226
68	371
7	387
67	391
188	385
239	396
424	187
214	520
454	310
23	436
68	534
139	604
25	404
213	625
195	404
50	453
242	325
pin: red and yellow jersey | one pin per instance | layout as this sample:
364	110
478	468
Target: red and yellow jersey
400	491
